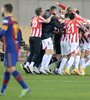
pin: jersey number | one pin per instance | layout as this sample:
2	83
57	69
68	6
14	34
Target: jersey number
70	28
34	23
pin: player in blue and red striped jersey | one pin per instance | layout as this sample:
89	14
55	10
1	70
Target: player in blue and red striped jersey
9	32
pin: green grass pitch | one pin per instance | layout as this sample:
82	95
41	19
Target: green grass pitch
49	87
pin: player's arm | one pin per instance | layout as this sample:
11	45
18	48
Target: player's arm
47	20
4	28
56	23
61	5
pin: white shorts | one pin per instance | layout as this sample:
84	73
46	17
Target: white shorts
85	46
73	47
64	48
47	44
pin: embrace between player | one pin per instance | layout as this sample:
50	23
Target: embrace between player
70	25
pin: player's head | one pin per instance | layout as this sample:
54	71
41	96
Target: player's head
71	16
62	13
47	11
69	9
7	9
53	9
38	11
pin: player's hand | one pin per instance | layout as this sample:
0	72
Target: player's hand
51	16
86	34
61	20
57	3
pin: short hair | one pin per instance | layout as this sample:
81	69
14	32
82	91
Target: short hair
38	11
8	7
66	15
69	8
78	12
48	10
53	8
72	16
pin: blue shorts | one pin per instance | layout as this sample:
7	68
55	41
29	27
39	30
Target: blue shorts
10	59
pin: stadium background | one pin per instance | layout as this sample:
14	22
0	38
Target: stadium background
24	11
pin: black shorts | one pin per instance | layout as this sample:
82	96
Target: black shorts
35	44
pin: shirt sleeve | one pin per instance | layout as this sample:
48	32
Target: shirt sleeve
41	19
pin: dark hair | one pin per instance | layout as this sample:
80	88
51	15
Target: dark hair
78	12
8	8
48	10
66	15
72	16
69	8
38	11
53	8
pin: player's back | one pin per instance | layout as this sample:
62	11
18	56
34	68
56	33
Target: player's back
11	35
36	29
72	30
72	26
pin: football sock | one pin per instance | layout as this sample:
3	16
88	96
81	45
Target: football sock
70	62
82	62
44	60
5	81
18	77
48	60
77	60
86	64
63	62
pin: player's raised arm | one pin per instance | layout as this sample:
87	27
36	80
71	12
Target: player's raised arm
61	5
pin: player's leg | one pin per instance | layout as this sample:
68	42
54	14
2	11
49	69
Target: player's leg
20	80
74	50
64	52
84	66
12	60
47	56
63	63
70	63
5	81
58	55
37	48
77	61
26	64
38	62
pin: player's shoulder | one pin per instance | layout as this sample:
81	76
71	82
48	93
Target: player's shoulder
37	17
5	20
67	21
13	19
40	17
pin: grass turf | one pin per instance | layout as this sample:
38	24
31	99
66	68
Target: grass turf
49	87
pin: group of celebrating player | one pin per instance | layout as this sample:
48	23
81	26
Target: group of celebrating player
63	38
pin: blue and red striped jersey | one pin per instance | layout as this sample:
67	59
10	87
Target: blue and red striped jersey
9	31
